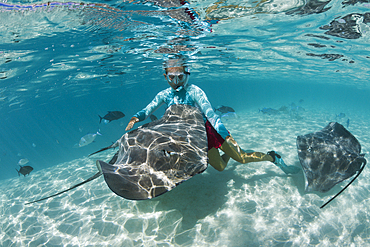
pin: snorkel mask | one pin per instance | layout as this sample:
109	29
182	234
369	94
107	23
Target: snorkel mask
177	73
177	80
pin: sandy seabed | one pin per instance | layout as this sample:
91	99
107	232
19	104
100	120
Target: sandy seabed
253	204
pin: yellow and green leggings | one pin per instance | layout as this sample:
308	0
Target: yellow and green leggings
232	150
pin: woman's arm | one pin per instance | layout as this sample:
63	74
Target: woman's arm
201	99
151	107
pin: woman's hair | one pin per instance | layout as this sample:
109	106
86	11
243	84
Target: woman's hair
178	61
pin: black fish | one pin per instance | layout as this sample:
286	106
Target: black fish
112	115
24	170
152	117
224	109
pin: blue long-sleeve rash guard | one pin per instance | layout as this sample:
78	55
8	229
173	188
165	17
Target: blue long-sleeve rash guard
190	95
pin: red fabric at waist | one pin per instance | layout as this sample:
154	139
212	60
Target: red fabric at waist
214	139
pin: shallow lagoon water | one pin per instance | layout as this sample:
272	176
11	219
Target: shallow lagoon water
254	204
62	66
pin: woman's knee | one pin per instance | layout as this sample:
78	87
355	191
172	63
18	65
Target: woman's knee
215	160
218	167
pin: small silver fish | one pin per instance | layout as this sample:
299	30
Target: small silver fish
340	115
229	115
269	111
87	139
22	162
224	109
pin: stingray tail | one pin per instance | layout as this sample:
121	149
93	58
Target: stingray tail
106	148
359	172
98	174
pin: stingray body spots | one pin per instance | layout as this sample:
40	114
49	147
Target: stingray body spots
158	156
329	156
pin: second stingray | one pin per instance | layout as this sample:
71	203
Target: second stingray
329	156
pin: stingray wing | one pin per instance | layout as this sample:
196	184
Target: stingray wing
155	158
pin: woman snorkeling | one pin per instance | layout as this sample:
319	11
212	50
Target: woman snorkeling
181	92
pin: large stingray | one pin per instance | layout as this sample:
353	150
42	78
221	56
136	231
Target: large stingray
328	157
156	157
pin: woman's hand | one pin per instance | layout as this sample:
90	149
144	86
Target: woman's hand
131	123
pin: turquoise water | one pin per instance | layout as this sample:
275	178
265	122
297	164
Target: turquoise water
64	63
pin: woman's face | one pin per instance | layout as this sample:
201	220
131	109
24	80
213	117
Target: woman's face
176	76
